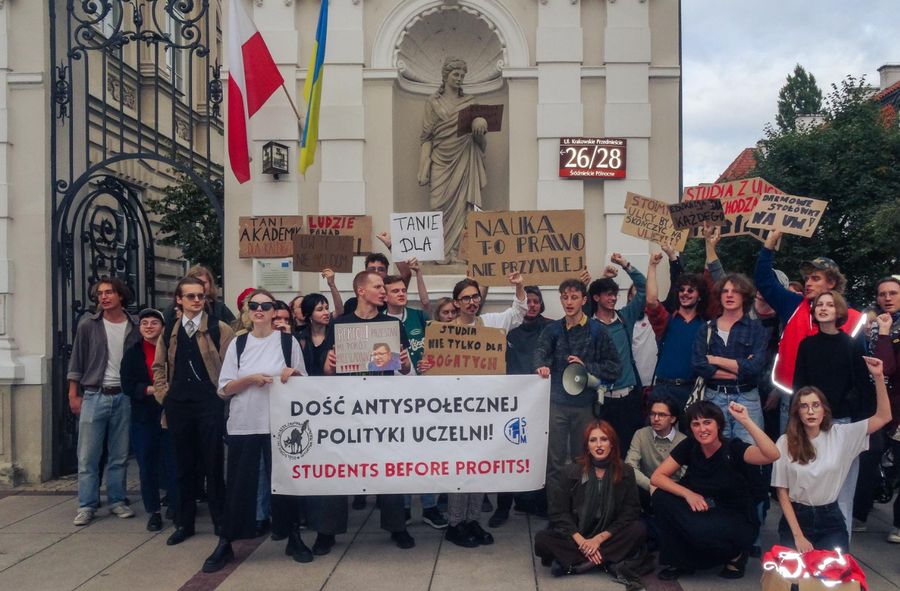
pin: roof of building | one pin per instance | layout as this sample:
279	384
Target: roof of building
740	167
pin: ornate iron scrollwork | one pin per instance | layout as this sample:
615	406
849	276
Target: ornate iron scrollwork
62	91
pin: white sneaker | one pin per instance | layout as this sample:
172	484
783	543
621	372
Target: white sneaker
84	517
122	511
894	536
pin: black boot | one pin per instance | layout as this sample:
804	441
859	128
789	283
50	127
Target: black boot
222	555
296	548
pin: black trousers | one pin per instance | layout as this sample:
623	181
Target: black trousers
555	545
624	414
864	499
700	539
324	514
197	429
242	482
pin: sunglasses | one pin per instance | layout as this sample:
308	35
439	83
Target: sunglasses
264	306
194	296
686	290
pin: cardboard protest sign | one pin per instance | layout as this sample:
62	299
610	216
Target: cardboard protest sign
649	219
739	198
694	214
357	226
268	237
343	435
367	346
788	213
544	246
465	350
314	253
419	235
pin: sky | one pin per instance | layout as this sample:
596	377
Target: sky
736	55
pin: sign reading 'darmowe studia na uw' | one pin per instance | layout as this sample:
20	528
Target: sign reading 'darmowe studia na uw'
544	246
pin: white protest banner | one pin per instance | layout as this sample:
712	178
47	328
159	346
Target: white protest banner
399	434
367	346
419	235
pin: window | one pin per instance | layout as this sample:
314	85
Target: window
177	57
111	21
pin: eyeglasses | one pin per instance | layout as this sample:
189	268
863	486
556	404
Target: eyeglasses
194	297
686	290
470	298
659	415
807	406
264	306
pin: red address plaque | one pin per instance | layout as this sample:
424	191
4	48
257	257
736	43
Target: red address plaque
592	157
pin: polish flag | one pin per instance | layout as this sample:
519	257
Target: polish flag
252	78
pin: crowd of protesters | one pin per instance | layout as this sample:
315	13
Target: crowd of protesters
722	395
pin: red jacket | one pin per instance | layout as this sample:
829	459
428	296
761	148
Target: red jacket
796	329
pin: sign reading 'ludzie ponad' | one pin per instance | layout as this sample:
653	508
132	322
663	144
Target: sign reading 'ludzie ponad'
544	246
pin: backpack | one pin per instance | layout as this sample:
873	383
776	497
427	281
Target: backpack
287	343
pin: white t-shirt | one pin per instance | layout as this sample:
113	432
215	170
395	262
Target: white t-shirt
248	412
819	482
644	350
509	319
115	347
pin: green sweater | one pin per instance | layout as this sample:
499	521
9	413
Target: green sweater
647	452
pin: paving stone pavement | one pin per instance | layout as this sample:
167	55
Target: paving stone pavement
40	549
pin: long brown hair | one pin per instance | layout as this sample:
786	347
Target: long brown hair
800	447
615	458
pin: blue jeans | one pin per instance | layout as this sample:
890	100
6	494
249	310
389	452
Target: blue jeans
748	399
152	446
104	417
823	526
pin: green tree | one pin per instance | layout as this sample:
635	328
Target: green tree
852	161
187	220
799	96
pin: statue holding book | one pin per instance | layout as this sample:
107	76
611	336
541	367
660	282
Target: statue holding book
451	160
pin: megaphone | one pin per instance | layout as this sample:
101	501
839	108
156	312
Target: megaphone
576	379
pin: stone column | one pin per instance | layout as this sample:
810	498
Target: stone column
627	115
277	120
560	112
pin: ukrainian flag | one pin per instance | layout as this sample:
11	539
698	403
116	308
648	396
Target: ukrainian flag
312	92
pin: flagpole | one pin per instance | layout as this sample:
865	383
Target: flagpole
293	106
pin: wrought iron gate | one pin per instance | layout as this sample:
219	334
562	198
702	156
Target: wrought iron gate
136	102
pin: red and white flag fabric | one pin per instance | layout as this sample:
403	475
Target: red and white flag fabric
252	78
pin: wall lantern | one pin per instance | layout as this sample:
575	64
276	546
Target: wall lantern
274	159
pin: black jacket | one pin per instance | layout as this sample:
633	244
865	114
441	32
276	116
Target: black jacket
135	379
567	495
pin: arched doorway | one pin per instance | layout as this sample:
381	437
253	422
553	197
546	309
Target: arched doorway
136	102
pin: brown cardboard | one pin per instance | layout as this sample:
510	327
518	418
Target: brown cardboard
790	214
649	220
313	252
694	214
465	350
546	247
739	198
357	226
268	237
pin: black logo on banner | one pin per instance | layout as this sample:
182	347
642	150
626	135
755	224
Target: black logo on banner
295	440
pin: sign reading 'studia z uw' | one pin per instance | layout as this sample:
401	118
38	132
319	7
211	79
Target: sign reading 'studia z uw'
408	434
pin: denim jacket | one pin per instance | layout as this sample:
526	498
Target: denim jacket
746	344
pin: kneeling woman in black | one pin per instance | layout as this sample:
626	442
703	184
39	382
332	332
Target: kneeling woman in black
709	517
595	513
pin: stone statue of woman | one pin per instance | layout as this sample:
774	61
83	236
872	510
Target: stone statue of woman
452	166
